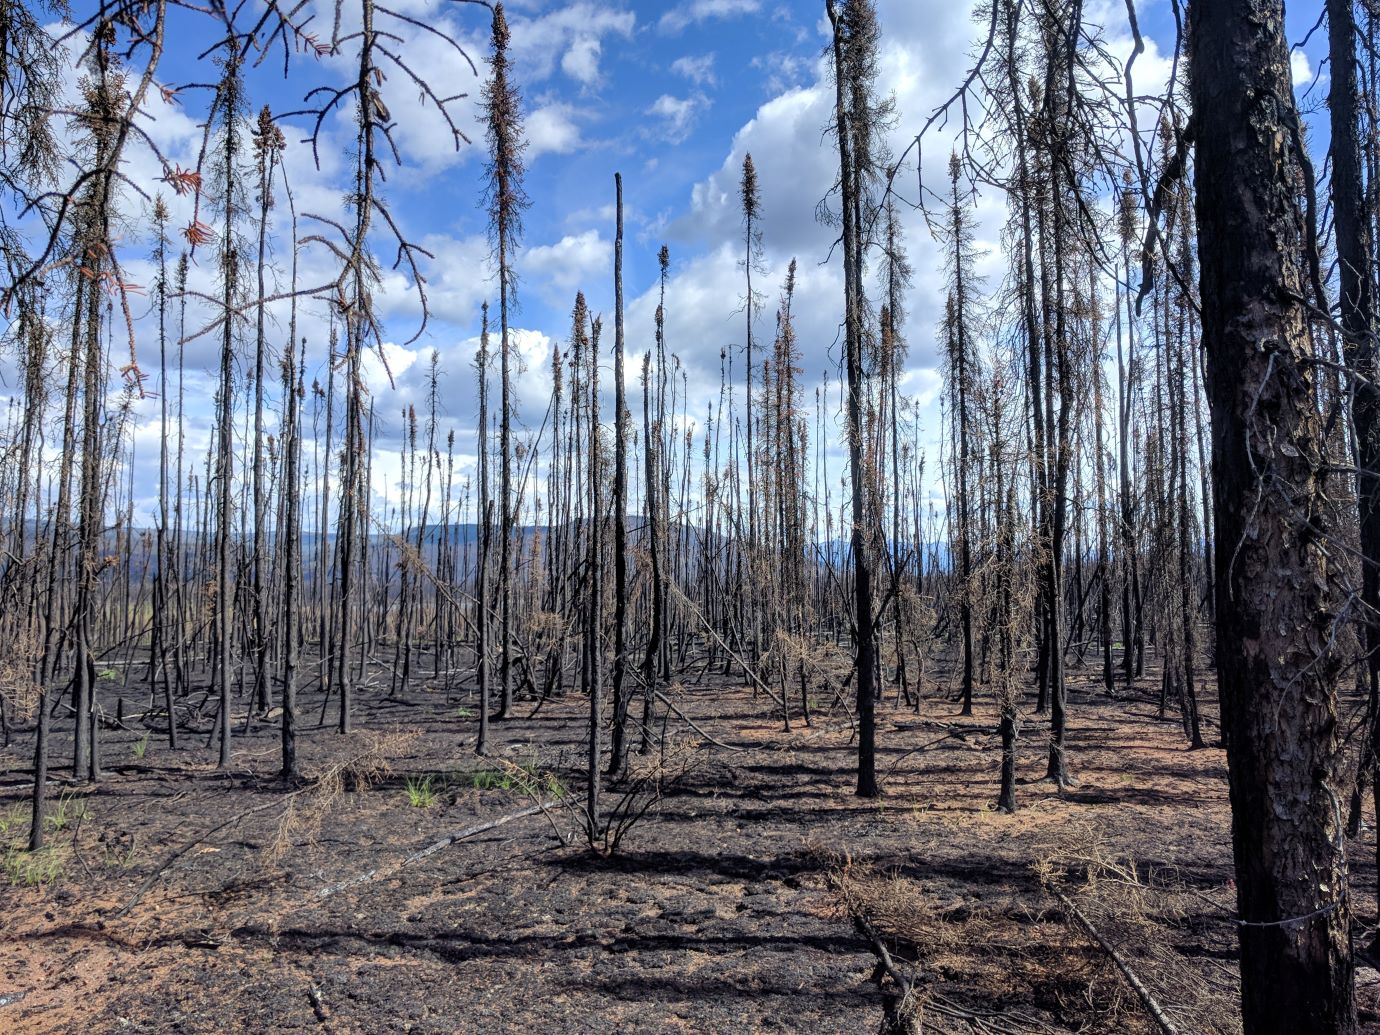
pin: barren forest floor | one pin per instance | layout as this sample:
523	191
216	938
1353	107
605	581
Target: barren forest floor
720	913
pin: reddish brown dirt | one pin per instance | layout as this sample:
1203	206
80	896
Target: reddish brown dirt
717	915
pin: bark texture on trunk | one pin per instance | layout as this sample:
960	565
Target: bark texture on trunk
1277	590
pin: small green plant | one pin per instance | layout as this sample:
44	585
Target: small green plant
108	674
421	792
554	788
32	868
527	779
119	858
13	820
492	779
141	747
119	852
464	713
68	809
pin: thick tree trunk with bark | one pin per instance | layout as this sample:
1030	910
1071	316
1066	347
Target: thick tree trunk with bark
1278	592
1355	277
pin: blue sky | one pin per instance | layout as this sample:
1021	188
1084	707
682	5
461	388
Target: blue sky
672	95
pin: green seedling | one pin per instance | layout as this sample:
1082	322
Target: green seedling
421	792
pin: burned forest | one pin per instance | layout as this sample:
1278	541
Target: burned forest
715	515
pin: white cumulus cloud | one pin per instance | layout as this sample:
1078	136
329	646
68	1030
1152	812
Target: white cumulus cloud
696	11
677	115
698	69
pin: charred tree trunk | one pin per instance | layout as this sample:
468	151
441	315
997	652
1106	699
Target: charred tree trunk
864	632
620	503
1356	278
1278	595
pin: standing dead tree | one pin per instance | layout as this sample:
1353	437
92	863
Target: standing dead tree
857	121
506	200
1279	598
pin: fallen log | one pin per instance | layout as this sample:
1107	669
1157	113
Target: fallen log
436	846
693	725
901	1007
167	863
1156	1011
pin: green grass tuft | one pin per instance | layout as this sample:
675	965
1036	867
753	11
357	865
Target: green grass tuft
14	820
68	809
44	866
528	779
421	792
